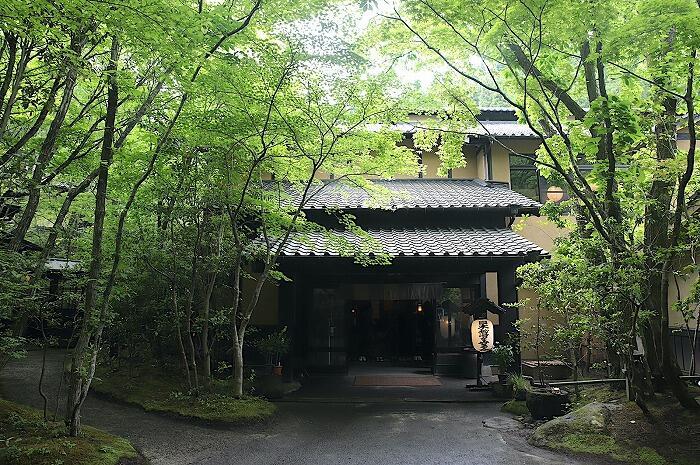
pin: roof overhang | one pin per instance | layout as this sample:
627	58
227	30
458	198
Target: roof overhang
405	243
408	194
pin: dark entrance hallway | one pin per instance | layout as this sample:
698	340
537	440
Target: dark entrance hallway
412	324
391	332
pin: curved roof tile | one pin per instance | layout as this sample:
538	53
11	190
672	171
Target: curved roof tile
410	193
413	242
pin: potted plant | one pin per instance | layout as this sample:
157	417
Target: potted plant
520	386
503	357
273	346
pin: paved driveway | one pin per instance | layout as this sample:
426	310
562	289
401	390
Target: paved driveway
308	433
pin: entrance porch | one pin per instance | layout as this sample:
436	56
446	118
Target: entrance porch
410	317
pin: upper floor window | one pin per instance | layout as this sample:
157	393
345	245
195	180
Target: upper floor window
524	177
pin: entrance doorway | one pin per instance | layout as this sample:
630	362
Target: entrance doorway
391	332
410	325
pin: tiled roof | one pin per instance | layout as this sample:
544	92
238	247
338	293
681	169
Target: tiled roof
503	129
414	242
484	128
415	193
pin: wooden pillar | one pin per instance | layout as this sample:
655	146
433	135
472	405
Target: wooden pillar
288	316
508	294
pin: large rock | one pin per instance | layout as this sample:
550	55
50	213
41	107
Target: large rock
589	419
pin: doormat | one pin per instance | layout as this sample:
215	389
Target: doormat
388	380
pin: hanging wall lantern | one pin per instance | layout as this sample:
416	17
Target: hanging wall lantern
482	335
555	194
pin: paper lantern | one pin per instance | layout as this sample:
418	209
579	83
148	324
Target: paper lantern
482	335
555	194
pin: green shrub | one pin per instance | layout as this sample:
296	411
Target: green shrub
519	382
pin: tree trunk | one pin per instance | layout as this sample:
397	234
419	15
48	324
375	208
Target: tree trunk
180	344
92	325
206	352
237	343
11	41
25	52
188	308
237	368
206	306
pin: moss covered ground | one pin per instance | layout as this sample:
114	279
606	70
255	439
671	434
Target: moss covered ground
516	407
612	429
25	439
157	392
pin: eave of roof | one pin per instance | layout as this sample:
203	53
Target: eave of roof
421	193
414	242
489	128
483	305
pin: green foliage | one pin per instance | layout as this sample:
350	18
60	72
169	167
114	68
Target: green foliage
519	382
503	356
515	407
568	287
19	299
274	345
605	87
213	98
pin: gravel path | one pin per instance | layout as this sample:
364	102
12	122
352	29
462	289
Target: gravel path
305	433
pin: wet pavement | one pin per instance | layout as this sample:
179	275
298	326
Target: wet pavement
310	433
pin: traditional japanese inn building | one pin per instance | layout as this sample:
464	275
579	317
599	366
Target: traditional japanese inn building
450	241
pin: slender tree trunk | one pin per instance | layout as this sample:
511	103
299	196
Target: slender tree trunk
188	307
237	345
637	370
25	52
574	363
45	347
180	344
87	346
206	306
237	367
11	41
694	341
206	350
